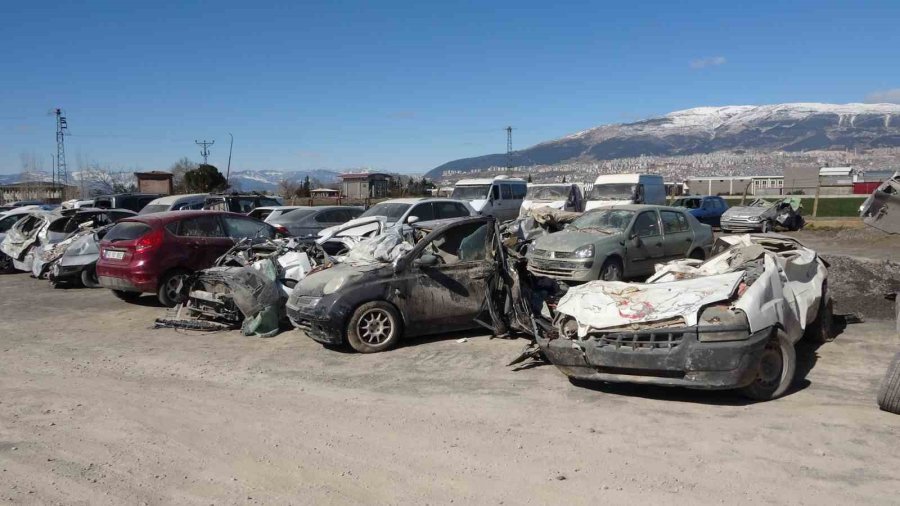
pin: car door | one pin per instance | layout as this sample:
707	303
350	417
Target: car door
448	295
204	240
422	212
644	247
677	234
444	210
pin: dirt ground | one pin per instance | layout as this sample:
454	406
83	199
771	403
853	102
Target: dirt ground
97	408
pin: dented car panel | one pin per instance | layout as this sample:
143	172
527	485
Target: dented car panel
763	215
23	236
436	297
881	209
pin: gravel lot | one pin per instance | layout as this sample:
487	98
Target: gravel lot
97	408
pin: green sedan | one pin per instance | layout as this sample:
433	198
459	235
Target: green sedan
619	242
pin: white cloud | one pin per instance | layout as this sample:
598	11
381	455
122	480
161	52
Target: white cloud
711	61
884	97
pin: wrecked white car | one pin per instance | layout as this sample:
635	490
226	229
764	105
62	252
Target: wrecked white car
881	209
27	234
728	323
763	215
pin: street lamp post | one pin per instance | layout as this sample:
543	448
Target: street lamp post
228	170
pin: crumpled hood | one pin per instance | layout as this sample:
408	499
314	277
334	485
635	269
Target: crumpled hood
745	212
336	277
570	240
604	304
594	204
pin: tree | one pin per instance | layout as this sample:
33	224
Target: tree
204	179
529	178
306	187
564	179
288	189
178	170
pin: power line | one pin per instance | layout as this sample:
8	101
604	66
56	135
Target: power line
205	151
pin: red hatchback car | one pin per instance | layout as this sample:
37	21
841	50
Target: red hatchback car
152	253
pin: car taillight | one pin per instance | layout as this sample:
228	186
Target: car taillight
281	229
151	240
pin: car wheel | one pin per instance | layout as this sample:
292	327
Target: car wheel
374	327
889	391
127	296
819	331
697	254
6	264
169	287
766	227
611	270
89	277
775	370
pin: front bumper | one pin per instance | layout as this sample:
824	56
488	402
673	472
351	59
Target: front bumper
740	225
681	360
577	270
317	320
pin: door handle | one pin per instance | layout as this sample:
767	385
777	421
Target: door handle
688	239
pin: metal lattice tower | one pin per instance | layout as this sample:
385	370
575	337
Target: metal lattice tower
60	174
204	152
509	130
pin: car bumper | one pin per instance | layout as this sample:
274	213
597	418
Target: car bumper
320	324
690	363
125	279
741	225
563	270
60	272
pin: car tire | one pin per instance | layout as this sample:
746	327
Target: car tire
6	264
89	277
374	326
775	371
820	330
167	292
766	227
612	270
127	296
889	390
697	254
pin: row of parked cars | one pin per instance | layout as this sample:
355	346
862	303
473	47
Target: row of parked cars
415	266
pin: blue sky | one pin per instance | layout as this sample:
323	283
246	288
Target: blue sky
407	86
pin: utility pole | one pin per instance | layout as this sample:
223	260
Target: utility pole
228	170
204	152
509	165
60	175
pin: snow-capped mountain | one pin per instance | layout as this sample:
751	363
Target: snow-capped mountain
246	180
782	127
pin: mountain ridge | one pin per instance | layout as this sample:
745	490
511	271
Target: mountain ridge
789	127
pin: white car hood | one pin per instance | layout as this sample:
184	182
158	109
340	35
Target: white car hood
594	204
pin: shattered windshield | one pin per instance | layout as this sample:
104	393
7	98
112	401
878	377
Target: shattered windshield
479	192
688	203
556	192
612	191
391	210
607	220
761	203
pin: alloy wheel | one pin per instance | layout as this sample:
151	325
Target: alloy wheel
375	327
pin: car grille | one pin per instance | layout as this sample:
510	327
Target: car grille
553	254
641	341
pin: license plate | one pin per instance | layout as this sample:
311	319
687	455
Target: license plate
115	255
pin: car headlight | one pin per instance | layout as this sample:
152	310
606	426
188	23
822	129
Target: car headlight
585	251
722	323
755	218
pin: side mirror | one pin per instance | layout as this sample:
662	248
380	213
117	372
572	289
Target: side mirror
426	260
411	219
635	239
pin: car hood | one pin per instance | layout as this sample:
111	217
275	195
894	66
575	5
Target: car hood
570	240
356	227
330	280
745	212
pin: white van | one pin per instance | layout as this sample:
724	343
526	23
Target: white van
615	189
562	196
500	197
